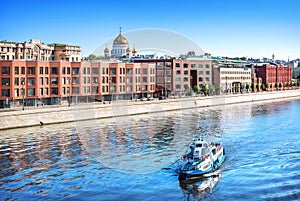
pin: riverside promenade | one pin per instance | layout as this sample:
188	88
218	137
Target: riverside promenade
37	116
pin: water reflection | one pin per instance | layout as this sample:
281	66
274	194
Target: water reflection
119	159
200	188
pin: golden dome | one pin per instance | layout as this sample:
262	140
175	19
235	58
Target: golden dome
120	40
134	51
128	49
106	50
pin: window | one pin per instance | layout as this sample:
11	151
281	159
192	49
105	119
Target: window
207	79
17	92
129	71
95	80
112	88
178	72
31	92
46	91
54	70
207	72
144	71
46	70
75	71
63	90
186	72
112	71
68	70
5	81
200	66
5	70
17	70
54	91
193	65
144	87
75	80
95	89
17	81
47	81
144	79
63	70
95	71
129	88
54	80
177	65
23	70
200	79
41	91
113	80
185	79
207	66
31	71
41	81
129	80
185	65
5	93
41	70
178	86
177	79
31	81
200	72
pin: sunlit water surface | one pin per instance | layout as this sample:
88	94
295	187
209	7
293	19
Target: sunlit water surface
133	158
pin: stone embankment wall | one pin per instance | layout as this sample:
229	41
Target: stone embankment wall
61	114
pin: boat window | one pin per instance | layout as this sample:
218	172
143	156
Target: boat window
214	151
198	145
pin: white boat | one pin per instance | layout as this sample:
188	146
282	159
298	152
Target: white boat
202	157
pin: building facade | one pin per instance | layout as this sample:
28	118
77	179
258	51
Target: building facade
36	50
273	75
180	76
61	82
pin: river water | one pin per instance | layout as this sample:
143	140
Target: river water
133	158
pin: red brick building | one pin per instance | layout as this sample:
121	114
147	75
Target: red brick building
177	76
273	74
61	82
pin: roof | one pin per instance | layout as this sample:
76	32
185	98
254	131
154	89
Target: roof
120	40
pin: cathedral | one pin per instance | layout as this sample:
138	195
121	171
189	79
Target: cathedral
120	48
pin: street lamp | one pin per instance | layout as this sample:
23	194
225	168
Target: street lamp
69	92
226	85
23	92
191	84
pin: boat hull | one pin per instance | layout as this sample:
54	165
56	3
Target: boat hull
186	174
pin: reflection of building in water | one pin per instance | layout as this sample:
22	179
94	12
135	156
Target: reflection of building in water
37	150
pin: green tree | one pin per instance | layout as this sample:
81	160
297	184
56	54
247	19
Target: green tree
280	85
247	86
196	89
93	57
276	85
205	89
263	86
211	89
267	86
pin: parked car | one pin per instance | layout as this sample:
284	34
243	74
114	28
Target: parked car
150	99
143	99
162	98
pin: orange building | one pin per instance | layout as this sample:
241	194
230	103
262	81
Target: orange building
62	82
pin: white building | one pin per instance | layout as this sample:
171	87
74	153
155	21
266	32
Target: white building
120	48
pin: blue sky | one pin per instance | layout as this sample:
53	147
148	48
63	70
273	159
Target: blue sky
256	28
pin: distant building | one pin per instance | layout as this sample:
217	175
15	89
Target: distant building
232	76
273	74
120	48
64	52
36	50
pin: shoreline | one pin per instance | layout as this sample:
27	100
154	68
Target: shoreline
12	119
